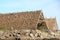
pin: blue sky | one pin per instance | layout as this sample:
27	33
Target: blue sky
50	8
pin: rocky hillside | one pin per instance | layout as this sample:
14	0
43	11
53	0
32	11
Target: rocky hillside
29	34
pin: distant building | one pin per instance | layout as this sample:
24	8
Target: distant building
51	23
27	20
